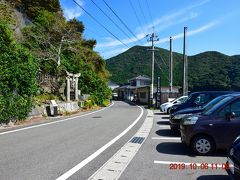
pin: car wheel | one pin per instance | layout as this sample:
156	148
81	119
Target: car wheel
203	145
168	110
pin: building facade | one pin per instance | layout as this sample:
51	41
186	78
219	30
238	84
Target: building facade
138	90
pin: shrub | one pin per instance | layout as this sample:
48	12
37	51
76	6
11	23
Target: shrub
44	98
88	103
17	77
106	103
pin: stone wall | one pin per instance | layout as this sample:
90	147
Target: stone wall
62	107
68	106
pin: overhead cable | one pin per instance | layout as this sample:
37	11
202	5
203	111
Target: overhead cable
142	12
99	23
111	20
136	15
125	25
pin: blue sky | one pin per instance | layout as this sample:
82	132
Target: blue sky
212	24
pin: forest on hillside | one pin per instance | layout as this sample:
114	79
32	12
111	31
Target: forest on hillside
207	71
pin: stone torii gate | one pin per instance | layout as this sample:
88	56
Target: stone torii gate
72	83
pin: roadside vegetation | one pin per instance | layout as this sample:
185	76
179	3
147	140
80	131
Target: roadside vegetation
51	45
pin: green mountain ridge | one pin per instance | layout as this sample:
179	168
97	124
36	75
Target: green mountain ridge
209	70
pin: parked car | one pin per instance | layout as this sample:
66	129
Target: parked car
233	160
165	107
176	117
215	128
197	99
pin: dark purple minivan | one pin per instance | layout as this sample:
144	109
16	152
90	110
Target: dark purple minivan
215	128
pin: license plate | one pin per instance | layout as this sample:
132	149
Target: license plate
231	165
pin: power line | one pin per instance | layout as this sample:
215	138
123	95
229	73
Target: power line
149	12
111	20
139	22
142	12
162	70
99	23
163	61
120	20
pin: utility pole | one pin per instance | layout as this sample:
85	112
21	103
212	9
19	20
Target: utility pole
170	67
185	65
152	38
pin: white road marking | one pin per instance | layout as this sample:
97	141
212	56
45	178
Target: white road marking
40	125
165	126
212	165
76	168
166	138
120	160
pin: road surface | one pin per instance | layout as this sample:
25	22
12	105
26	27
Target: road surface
49	151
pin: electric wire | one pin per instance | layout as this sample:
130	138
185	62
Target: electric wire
162	70
149	12
163	60
111	19
99	23
142	12
125	25
136	15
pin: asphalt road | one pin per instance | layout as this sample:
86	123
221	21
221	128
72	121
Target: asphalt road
49	151
163	147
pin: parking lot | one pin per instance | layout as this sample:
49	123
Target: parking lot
163	156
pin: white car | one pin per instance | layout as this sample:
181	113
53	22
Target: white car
165	107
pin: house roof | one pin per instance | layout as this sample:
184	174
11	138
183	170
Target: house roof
142	77
164	89
110	83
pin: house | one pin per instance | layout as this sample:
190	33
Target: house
140	81
112	85
138	90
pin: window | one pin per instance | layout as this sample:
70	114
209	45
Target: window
233	107
202	99
142	95
217	106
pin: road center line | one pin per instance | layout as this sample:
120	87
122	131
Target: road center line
76	168
59	121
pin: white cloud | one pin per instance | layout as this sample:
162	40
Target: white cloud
72	10
164	22
113	42
112	53
203	28
172	16
189	33
159	25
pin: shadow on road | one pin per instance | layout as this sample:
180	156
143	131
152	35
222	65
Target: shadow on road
163	123
177	148
213	177
160	113
168	133
165	117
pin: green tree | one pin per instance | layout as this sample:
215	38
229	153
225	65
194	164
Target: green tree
17	77
32	7
59	46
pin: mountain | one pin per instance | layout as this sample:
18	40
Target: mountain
207	71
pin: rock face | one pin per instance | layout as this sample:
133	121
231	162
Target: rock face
15	17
